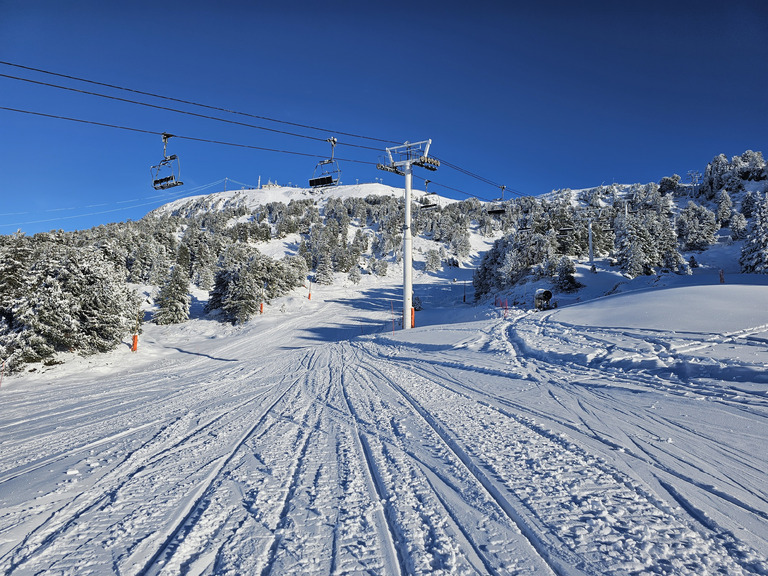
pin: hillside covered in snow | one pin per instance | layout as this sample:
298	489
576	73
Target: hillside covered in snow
274	418
623	435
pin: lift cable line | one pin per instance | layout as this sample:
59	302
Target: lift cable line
245	124
134	203
457	190
221	109
482	179
237	145
194	139
468	173
191	138
188	113
191	103
164	197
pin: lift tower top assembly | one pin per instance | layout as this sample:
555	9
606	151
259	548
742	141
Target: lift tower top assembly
400	159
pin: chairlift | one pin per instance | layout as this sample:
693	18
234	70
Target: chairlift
429	200
327	172
496	208
166	174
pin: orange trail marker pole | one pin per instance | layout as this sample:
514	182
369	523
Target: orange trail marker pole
135	344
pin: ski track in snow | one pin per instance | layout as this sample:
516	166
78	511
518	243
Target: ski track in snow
607	523
524	445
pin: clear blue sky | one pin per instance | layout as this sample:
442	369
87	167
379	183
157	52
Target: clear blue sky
536	96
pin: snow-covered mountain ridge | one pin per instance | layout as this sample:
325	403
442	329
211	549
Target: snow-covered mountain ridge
251	199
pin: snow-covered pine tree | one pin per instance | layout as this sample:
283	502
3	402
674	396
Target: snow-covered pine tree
204	249
669	184
344	257
354	275
142	262
565	278
380	267
295	272
173	301
243	297
184	259
645	242
754	253
696	227
724	208
161	264
15	259
738	226
74	299
715	176
510	258
663	239
750	166
460	244
632	246
748	204
238	289
324	271
219	291
432	261
106	307
360	242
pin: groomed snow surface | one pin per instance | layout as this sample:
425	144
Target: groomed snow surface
626	434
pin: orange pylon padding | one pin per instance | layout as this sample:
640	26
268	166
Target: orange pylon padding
135	345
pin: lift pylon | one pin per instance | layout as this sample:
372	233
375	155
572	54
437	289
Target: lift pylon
400	160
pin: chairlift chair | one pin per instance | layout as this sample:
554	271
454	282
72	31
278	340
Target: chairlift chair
429	200
496	208
166	174
327	172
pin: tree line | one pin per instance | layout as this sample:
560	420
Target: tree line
640	227
78	291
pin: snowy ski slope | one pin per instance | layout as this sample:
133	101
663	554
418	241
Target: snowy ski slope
621	434
314	440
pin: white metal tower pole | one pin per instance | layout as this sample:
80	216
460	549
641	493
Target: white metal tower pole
407	251
591	251
400	160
